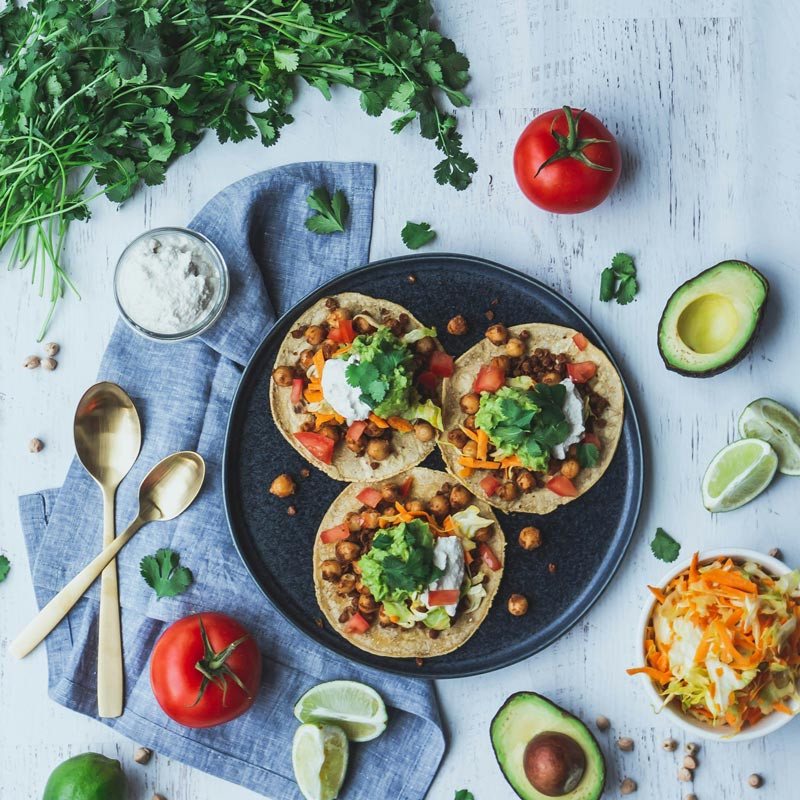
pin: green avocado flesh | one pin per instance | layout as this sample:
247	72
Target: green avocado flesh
89	776
710	321
527	718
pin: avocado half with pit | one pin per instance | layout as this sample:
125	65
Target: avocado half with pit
544	751
709	323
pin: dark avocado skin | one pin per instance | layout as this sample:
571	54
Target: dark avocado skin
584	729
709	373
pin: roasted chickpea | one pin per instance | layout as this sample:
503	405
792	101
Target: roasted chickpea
469	422
501	362
357	447
551	378
347	584
353	522
424	431
367	604
390	492
283	376
515	347
306	358
330	431
530	538
347	551
331	570
470	449
338	314
370	518
525	480
425	346
373	430
457	437
356	568
314	334
439	505
460	497
483	534
378	449
497	334
508	491
362	325
457	326
470	403
359	586
570	468
329	347
415	505
282	486
517	605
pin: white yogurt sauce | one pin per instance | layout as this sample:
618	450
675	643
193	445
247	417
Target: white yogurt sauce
339	394
448	554
573	412
167	283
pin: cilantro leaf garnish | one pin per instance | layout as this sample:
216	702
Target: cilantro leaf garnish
417	234
664	547
464	794
332	213
588	454
162	573
619	280
383	366
5	566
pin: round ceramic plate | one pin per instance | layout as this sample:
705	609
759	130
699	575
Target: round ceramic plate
583	541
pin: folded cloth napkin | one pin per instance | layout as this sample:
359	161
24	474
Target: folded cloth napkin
183	393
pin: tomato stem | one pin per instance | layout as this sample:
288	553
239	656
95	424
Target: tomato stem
571	146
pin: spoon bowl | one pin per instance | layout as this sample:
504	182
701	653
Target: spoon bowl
171	486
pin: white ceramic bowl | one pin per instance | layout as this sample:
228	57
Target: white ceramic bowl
673	711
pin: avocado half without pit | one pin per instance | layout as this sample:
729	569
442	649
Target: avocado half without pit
544	751
709	323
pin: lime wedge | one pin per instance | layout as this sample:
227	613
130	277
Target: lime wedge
355	707
737	474
768	420
319	760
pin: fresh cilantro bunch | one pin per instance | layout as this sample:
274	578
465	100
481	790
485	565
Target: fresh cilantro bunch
664	547
413	574
114	92
619	280
163	573
383	372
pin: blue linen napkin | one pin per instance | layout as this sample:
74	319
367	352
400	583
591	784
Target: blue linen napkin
183	393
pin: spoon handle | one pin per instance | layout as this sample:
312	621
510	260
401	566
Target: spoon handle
47	619
110	678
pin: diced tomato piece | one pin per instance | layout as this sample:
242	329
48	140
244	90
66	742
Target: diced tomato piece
580	341
356	624
335	534
427	380
441	364
590	438
297	390
343	333
489	484
356	431
488	556
406	487
369	497
443	597
562	486
319	446
582	371
489	379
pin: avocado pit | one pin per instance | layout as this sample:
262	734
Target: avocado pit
554	763
708	323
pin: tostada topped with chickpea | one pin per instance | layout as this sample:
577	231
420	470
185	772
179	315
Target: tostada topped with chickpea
357	387
532	416
408	568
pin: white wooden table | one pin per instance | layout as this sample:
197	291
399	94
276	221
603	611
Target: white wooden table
706	110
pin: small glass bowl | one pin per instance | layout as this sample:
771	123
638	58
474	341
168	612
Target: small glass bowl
213	312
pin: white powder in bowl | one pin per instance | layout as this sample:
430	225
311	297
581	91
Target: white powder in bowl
167	282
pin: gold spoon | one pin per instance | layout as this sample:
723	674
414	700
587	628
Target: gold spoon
166	491
108	437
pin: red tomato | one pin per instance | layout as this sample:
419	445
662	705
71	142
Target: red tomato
443	597
406	487
356	624
489	484
441	364
590	438
297	390
344	333
489	379
488	556
319	446
427	380
566	161
355	431
580	341
581	371
193	659
369	497
335	534
562	486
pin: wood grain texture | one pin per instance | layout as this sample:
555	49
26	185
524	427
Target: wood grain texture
704	105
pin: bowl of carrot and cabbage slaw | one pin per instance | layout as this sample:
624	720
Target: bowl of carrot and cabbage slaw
720	649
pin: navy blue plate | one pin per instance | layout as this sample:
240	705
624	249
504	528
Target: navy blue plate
583	542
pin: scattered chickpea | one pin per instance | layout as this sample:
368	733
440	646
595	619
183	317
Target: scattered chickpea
378	449
627	786
35	446
460	497
49	364
52	349
776	552
551	378
515	347
457	326
415	505
424	431
425	346
530	538
469	422
669	745
525	480
692	748
347	551
497	334
684	775
291	510
390	492
470	449
347	584
331	570
283	376
570	468
625	743
314	334
508	491
31	362
457	437
306	358
439	505
470	403
755	780
141	755
602	723
690	762
501	362
367	604
517	605
282	486
412	279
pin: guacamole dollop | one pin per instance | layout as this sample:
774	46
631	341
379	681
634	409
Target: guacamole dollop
381	369
525	422
400	562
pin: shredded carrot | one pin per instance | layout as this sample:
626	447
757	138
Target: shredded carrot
783	709
470	434
311	396
651	672
693	572
726	578
465	472
475	463
321	419
658	594
379	421
319	362
483	445
342	350
399	424
511	461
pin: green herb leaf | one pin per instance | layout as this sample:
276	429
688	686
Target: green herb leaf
626	291
163	574
464	794
664	547
331	216
619	280
588	454
607	281
622	264
417	234
5	566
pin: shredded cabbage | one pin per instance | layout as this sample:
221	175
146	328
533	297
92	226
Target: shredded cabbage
417	334
427	411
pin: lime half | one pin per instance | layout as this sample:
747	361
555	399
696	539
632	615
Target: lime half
319	760
355	707
738	473
768	420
